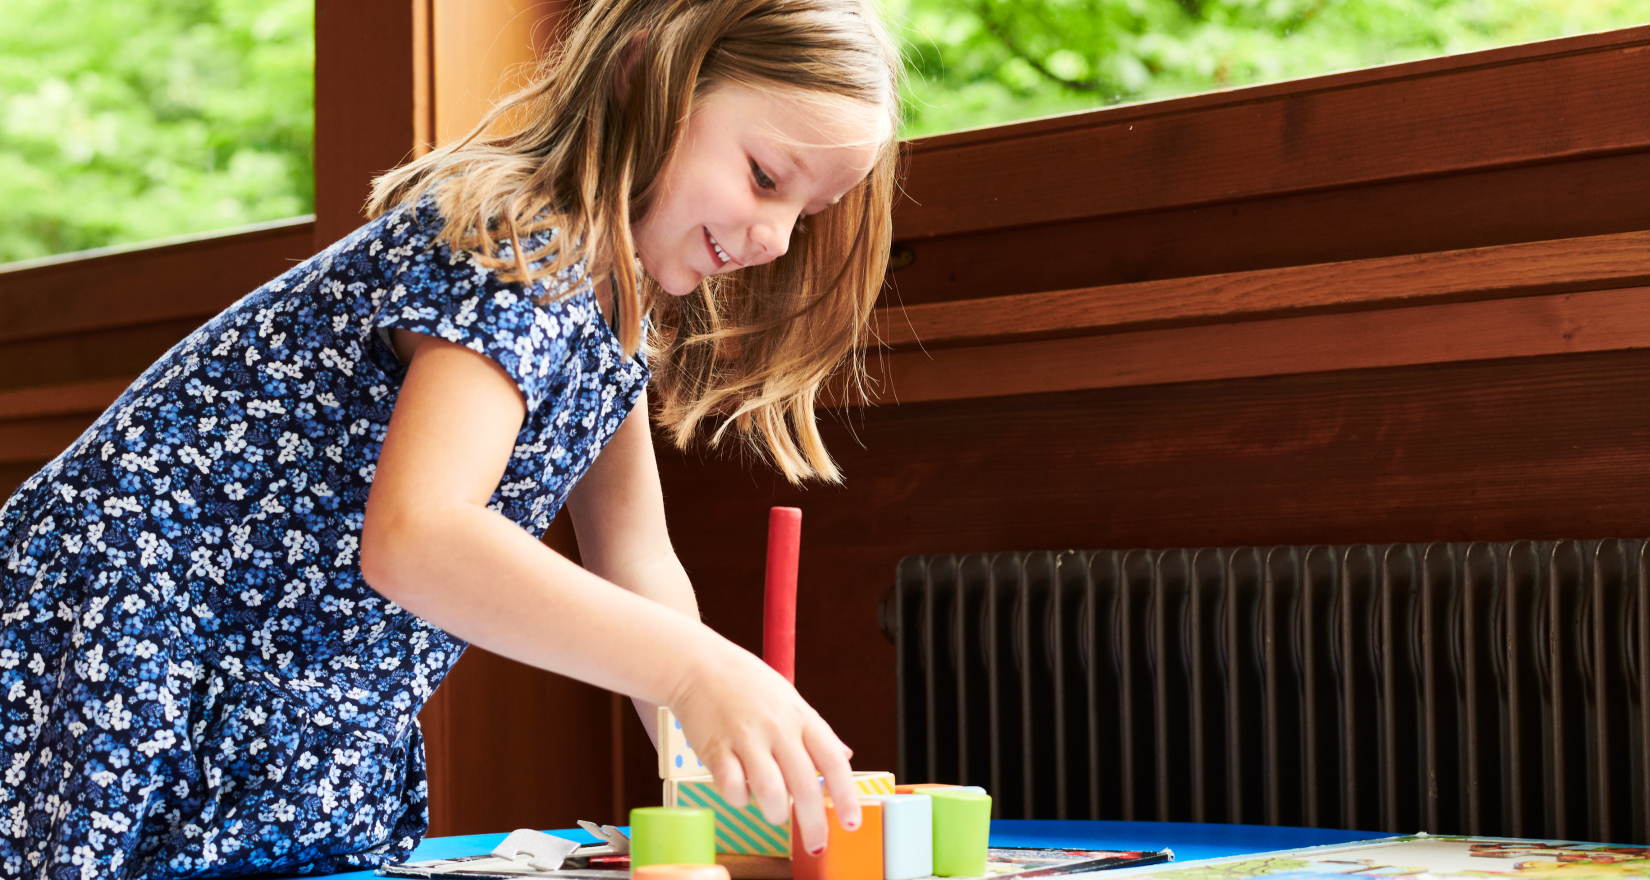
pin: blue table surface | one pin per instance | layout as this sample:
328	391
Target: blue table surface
1189	840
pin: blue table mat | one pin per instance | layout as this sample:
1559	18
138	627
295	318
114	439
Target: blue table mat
1189	840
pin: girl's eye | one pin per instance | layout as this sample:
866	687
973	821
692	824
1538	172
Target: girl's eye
762	179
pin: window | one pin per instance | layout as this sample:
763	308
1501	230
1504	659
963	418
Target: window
143	119
982	62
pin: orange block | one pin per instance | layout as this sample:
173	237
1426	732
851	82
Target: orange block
849	855
919	787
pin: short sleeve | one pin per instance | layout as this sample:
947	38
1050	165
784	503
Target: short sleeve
434	291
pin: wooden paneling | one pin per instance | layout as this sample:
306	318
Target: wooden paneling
1538	448
1570	199
1471	112
1614	320
1497	272
190	280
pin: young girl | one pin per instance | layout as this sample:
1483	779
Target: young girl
222	609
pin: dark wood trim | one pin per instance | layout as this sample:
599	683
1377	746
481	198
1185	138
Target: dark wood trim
366	105
188	280
1571	199
1561	99
1569	323
75	399
1592	263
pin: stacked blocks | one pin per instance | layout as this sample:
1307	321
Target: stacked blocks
908	831
849	855
962	827
671	836
907	836
743	830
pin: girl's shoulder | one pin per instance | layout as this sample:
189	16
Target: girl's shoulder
414	236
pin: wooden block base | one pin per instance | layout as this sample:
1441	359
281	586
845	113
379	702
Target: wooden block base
755	867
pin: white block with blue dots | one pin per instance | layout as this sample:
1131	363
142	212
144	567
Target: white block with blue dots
676	757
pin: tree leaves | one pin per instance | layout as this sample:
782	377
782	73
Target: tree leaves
982	62
121	122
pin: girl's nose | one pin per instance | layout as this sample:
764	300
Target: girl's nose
772	235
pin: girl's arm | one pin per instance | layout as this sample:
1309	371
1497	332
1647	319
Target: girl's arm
619	514
430	544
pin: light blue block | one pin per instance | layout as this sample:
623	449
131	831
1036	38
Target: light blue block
907	836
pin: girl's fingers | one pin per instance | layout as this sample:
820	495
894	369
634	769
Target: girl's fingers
730	778
806	792
831	757
767	786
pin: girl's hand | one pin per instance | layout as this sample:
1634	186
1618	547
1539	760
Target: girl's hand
749	725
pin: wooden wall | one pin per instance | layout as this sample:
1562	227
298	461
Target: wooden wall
1395	304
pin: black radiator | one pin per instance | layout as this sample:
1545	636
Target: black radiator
1496	689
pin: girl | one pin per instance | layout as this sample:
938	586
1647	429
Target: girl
222	609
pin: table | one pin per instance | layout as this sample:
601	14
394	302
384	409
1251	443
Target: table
1189	840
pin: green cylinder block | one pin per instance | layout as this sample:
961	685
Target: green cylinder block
962	827
672	836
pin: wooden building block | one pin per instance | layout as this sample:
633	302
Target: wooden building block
739	830
907	836
671	836
874	781
849	855
680	872
926	787
962	827
676	756
742	867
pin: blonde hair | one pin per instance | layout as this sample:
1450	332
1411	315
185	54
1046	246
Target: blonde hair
751	348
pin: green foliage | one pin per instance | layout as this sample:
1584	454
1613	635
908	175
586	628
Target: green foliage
133	120
982	62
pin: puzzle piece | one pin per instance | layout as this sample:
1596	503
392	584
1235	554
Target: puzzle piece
676	756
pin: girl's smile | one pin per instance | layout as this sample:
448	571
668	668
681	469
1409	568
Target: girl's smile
751	164
717	252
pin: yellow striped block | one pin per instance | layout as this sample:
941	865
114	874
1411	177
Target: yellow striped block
874	781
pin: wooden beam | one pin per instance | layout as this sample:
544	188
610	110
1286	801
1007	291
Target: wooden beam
1497	272
1594	321
191	279
366	106
481	53
1557	200
78	398
1537	103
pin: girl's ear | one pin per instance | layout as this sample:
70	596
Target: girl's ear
629	57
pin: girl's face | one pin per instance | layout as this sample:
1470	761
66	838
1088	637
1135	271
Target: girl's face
751	164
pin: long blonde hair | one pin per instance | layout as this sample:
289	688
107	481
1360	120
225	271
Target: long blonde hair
751	348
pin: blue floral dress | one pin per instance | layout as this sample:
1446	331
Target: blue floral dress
195	680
